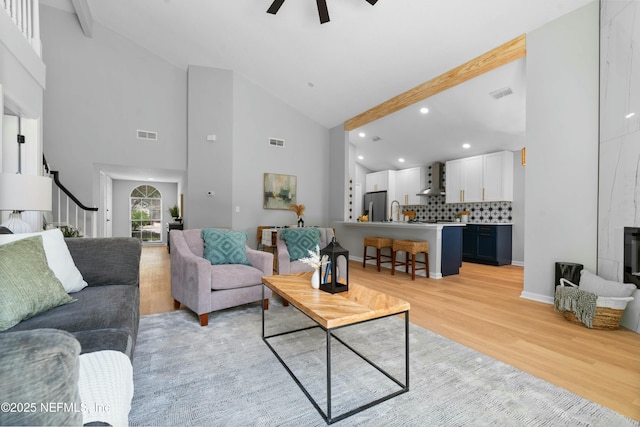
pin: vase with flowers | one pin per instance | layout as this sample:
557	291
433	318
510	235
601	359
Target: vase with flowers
316	261
299	210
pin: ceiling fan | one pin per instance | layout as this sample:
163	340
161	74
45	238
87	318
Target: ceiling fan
323	12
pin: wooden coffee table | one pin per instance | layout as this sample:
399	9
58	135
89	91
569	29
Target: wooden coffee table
331	312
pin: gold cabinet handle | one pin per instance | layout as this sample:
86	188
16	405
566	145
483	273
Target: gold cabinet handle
406	199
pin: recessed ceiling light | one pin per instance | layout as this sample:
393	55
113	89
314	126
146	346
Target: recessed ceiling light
401	160
466	145
360	157
362	134
628	116
424	110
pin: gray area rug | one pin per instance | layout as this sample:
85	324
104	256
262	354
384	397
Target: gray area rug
225	375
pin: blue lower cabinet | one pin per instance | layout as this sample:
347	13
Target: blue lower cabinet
451	250
487	244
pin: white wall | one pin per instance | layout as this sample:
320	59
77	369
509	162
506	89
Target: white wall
210	163
243	117
562	148
258	116
100	90
518	209
22	81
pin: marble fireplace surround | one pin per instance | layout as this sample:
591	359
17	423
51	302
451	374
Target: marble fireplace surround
619	175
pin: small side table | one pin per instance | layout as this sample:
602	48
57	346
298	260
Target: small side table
270	243
172	226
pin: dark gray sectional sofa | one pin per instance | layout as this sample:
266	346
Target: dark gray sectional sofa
104	317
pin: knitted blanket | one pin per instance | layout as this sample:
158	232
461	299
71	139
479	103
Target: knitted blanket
581	303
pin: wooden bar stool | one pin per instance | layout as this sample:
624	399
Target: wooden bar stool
412	248
379	243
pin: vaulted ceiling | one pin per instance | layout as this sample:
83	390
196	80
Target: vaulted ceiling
334	71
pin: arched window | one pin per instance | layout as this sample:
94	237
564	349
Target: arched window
146	214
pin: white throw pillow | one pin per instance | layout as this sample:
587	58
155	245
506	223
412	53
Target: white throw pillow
58	257
589	282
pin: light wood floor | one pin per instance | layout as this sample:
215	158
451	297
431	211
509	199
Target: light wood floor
482	309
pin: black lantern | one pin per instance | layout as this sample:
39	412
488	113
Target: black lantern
332	278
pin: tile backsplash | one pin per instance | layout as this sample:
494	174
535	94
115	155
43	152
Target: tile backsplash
436	209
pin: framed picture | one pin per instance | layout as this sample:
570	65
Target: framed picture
279	191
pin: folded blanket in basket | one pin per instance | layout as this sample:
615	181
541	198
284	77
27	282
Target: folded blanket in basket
581	303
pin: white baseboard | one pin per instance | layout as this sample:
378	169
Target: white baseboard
518	263
537	297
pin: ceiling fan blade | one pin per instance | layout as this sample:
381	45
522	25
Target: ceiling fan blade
275	6
323	12
372	2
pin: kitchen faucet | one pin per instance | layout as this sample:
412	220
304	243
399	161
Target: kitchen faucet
391	210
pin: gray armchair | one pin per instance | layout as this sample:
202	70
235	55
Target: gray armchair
203	287
286	266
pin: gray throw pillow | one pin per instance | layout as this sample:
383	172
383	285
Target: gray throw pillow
27	284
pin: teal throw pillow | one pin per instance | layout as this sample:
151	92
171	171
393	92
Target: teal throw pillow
300	241
225	246
27	285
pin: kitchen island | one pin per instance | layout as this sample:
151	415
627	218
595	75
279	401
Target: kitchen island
445	241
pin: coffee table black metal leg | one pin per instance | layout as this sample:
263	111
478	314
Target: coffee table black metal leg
406	349
329	336
328	376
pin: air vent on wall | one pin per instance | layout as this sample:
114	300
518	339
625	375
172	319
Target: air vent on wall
148	135
501	93
275	142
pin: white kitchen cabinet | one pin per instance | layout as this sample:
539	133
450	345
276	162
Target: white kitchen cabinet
464	180
408	183
485	178
497	177
380	181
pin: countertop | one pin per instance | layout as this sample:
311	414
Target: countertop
404	224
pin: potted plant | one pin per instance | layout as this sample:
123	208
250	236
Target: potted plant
174	211
299	210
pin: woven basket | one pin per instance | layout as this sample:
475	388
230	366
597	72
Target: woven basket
605	318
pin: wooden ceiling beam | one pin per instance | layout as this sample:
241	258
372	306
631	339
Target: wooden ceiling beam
497	57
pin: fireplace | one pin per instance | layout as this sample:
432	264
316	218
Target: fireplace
632	255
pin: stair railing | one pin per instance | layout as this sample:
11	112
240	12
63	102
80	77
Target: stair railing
69	213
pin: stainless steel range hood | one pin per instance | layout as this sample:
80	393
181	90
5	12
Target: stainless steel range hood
435	181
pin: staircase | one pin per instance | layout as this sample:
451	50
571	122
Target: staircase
68	213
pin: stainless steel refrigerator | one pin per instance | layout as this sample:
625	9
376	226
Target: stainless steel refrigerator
375	205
